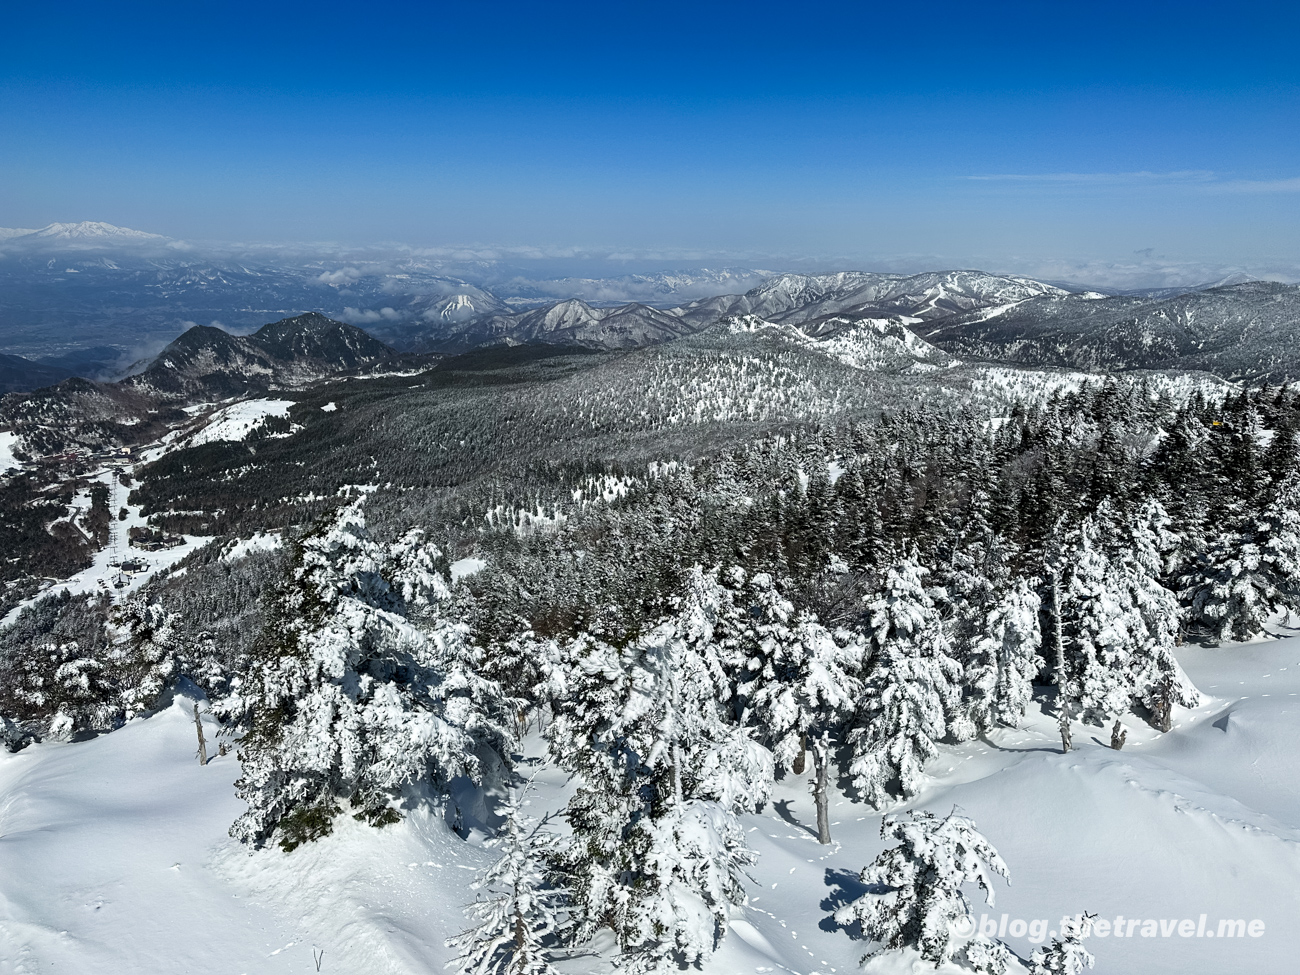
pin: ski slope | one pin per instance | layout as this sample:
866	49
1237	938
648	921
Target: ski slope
114	855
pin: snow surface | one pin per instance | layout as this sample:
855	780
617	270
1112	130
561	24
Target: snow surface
238	421
260	542
114	855
466	567
8	440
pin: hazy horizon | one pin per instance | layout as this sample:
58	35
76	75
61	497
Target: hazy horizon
1019	140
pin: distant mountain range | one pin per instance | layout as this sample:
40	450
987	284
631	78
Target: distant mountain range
86	230
90	299
1240	331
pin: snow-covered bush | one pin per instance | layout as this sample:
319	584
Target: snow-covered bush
915	897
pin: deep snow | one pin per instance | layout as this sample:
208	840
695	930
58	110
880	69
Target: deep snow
114	855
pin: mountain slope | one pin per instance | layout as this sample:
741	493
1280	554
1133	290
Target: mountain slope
210	362
85	230
1242	331
796	298
572	322
18	374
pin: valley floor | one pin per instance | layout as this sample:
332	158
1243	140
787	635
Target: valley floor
114	855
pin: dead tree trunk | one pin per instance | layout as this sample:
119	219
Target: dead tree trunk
1162	712
1118	735
1062	681
821	782
203	745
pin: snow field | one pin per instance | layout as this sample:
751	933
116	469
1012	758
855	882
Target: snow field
239	420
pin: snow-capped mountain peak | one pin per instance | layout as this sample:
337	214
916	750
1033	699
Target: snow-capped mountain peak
89	230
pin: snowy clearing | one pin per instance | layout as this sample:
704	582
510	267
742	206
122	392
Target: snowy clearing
238	421
466	567
8	441
114	854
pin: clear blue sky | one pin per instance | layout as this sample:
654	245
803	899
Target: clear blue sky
742	129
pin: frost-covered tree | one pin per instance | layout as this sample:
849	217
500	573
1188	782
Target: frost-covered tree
1239	581
519	912
1119	625
797	684
657	854
147	653
1066	955
915	897
345	700
57	676
911	697
1003	658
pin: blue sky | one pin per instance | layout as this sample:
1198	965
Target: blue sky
1005	133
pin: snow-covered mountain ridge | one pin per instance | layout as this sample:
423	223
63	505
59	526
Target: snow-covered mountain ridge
85	230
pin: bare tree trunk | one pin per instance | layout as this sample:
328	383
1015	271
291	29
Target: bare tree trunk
799	763
821	762
203	745
1163	712
1062	683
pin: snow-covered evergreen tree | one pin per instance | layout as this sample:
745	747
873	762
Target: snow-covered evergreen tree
911	697
1118	623
347	701
148	654
796	678
1241	580
921	882
1003	658
522	913
1066	955
657	854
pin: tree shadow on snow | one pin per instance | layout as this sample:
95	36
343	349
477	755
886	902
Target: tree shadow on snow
845	888
782	806
1003	748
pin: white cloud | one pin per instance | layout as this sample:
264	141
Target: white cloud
343	277
357	316
1142	176
1291	185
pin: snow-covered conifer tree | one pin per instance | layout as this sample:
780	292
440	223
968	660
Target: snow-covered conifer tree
347	701
796	681
522	913
911	697
1119	624
1239	581
1003	658
657	854
921	882
148	655
1066	955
